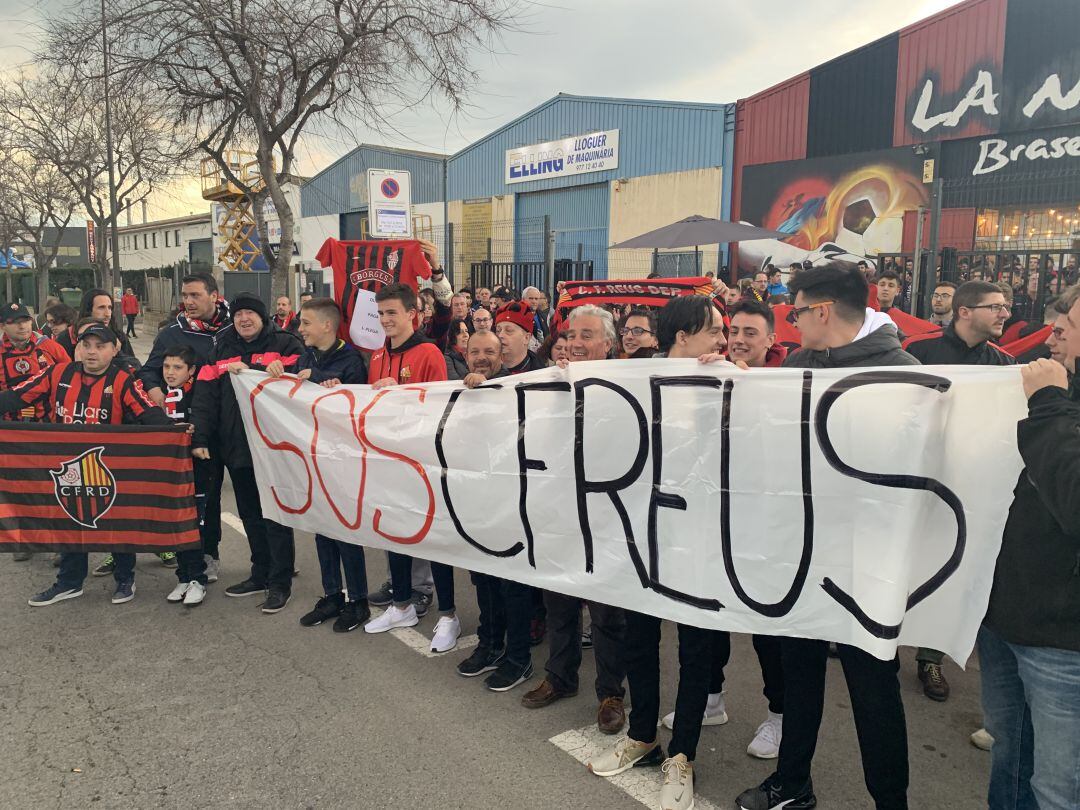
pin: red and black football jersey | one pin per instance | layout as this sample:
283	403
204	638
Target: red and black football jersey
18	365
72	396
371	265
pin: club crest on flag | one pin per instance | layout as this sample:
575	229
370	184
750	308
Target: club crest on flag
85	488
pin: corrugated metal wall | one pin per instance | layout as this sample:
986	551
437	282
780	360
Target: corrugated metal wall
579	216
852	99
341	187
655	137
769	127
949	48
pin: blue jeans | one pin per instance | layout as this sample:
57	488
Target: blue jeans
74	566
1031	706
335	555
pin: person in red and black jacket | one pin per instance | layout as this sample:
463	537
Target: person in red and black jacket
93	391
409	357
979	314
23	353
253	342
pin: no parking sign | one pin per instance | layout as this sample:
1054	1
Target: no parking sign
389	204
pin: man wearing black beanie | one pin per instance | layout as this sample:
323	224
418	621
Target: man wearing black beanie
253	342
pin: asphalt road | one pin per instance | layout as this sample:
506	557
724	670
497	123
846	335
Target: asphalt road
152	705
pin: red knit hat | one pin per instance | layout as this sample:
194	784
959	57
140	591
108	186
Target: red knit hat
516	312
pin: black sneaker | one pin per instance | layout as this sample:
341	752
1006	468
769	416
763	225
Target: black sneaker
422	603
507	676
382	597
770	794
352	616
935	686
276	600
329	607
248	587
482	660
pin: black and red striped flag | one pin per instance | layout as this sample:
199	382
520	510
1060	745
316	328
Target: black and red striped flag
96	488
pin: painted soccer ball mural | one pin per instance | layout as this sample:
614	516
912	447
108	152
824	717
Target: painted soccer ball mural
856	216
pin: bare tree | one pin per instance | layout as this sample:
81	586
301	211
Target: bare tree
61	126
38	205
254	74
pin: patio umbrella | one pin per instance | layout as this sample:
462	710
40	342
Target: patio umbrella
698	230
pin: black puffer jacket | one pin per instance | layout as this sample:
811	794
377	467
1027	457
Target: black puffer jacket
183	332
218	424
1035	600
880	348
946	348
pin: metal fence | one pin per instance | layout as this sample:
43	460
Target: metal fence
1035	277
533	241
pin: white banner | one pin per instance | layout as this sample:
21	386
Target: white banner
580	154
857	505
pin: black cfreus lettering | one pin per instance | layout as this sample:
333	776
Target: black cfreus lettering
821	418
441	453
525	463
667	500
787	602
611	488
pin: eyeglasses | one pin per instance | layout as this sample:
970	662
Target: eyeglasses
794	315
995	308
636	331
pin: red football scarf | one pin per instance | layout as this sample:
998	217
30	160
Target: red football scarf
653	292
96	488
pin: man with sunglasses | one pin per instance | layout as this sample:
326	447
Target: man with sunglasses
979	315
838	331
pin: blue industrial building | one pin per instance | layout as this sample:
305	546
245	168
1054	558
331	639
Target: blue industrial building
642	164
575	174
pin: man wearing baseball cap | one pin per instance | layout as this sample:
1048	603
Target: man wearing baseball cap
90	391
23	353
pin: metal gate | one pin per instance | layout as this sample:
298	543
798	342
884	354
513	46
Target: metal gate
577	215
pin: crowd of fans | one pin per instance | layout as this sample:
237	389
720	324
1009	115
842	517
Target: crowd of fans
1029	645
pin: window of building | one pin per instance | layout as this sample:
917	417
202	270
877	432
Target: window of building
166	238
176	239
153	239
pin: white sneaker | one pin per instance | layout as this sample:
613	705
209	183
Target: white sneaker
391	618
177	593
766	742
715	713
213	568
982	739
677	792
447	630
195	594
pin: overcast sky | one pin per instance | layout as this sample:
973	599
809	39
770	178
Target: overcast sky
687	50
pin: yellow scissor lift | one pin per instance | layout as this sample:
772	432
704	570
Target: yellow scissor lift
236	226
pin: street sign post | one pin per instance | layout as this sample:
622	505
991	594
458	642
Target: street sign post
389	204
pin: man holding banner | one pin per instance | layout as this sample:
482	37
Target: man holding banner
90	392
838	330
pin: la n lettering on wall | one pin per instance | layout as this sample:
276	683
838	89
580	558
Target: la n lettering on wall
850	505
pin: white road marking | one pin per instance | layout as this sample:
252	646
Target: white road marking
408	636
233	522
640	784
